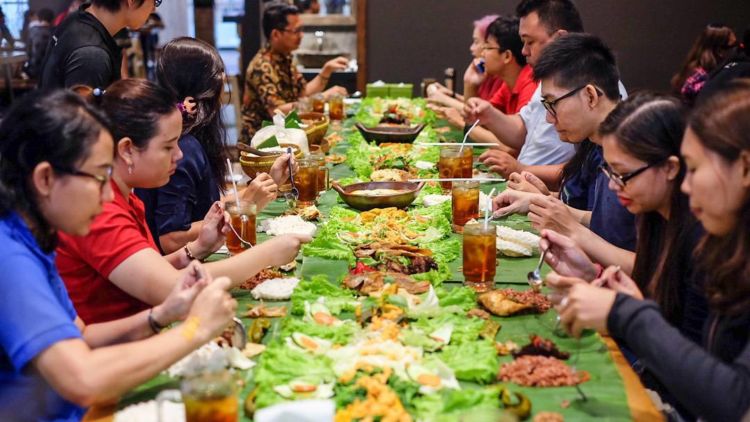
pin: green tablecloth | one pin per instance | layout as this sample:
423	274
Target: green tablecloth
606	390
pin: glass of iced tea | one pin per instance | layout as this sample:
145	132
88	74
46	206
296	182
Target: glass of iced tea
465	203
242	221
455	163
336	107
480	250
318	103
306	180
210	397
322	170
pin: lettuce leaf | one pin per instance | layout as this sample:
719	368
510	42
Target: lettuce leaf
337	299
474	361
464	329
464	297
280	364
456	405
340	334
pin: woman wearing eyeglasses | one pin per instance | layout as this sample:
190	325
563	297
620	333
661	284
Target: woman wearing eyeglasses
712	381
641	140
55	158
116	270
85	52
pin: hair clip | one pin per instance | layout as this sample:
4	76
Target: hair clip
98	92
181	107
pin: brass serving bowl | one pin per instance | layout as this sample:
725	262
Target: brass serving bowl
252	165
364	202
317	127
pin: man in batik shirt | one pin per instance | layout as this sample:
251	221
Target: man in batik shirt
271	80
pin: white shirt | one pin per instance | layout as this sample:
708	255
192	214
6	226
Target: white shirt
542	144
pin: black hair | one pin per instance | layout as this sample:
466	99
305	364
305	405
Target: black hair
135	107
188	67
574	60
721	125
45	15
275	17
58	128
709	50
504	30
113	5
650	127
553	14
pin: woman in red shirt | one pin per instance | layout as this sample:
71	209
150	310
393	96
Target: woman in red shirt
116	270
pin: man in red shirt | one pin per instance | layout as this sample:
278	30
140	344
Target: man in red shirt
503	58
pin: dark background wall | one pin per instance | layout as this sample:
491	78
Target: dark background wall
411	39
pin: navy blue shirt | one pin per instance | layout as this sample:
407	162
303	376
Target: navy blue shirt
187	197
609	219
577	191
35	313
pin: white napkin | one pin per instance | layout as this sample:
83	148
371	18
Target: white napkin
298	411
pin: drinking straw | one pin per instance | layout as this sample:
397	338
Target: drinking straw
234	184
488	208
467	135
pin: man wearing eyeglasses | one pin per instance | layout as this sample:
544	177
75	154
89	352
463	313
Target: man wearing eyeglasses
579	80
541	152
271	79
83	50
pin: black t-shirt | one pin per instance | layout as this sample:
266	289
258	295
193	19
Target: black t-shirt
81	51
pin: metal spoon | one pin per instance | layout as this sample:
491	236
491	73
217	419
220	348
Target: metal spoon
294	193
239	333
535	277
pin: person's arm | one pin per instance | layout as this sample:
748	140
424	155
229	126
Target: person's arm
174	241
88	376
90	66
601	251
149	277
708	387
482	135
510	129
318	84
550	174
142	325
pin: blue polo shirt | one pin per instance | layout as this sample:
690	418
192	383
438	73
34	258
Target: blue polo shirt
35	313
187	197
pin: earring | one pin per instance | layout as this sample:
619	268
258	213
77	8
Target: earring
130	169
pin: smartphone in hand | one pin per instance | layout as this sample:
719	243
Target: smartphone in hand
479	66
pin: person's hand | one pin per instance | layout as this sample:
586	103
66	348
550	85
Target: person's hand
212	310
585	306
260	191
212	232
339	63
280	169
479	109
282	250
614	278
335	90
547	212
500	162
527	182
511	202
565	257
472	76
177	305
453	117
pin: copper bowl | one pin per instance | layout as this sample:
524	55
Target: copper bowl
364	203
252	165
390	133
317	127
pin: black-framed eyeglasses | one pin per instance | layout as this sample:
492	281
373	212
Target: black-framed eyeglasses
622	179
103	180
492	47
550	105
